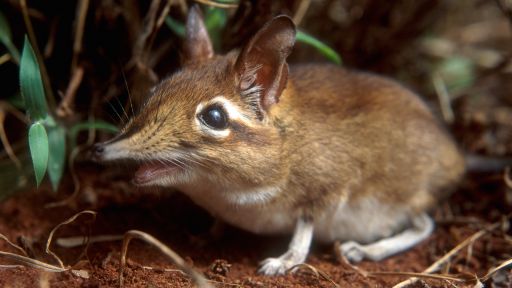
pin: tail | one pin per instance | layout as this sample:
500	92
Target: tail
486	164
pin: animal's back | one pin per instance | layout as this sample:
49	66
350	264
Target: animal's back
369	140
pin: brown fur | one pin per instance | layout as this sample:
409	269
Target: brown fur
321	133
334	131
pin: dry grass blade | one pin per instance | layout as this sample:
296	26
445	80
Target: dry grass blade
3	237
444	99
32	262
25	260
301	11
11	266
217	4
50	237
422	275
304	265
344	261
145	34
318	273
496	269
65	107
197	277
506	177
5	58
6	143
221	284
5	108
164	14
443	260
82	8
72	242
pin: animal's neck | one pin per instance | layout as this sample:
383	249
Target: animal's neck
206	192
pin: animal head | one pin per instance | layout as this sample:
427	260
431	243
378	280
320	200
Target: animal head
212	118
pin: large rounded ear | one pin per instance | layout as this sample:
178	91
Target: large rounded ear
261	66
198	46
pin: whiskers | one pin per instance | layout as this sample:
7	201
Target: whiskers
188	161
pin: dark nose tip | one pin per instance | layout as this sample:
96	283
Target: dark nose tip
98	148
97	151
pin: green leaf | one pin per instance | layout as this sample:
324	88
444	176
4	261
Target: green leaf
215	21
457	72
6	38
32	88
216	18
5	30
177	27
98	125
57	156
38	143
327	51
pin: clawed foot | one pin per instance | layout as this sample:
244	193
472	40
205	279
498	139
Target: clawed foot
353	251
296	254
376	251
275	266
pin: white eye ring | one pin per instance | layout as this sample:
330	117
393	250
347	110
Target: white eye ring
204	128
214	116
232	112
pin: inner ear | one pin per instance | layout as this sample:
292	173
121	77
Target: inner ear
198	46
261	66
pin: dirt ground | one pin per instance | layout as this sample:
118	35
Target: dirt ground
232	259
481	124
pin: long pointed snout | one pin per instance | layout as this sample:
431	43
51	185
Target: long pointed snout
114	149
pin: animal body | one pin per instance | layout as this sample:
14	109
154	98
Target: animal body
315	151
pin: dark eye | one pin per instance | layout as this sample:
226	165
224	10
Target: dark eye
215	117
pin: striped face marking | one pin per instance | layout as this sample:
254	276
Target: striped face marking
213	117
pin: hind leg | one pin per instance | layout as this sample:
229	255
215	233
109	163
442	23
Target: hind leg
421	229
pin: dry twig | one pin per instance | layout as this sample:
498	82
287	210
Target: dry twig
318	273
5	58
422	275
506	177
65	107
444	99
443	260
197	277
491	272
141	42
5	107
343	260
32	262
76	241
27	261
19	248
82	8
50	237
301	11
217	4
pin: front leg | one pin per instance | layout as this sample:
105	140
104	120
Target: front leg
297	251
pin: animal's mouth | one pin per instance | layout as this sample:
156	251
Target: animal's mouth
150	171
